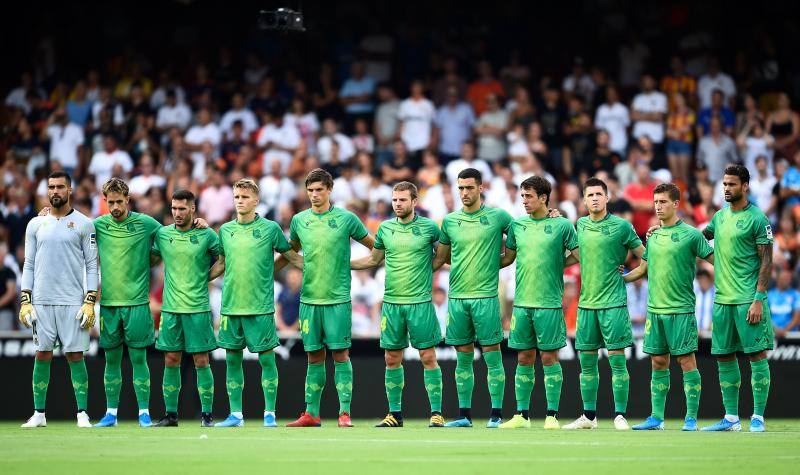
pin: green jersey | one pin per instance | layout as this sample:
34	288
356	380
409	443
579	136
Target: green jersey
476	240
409	252
671	256
248	287
124	251
187	258
325	238
736	261
604	246
541	246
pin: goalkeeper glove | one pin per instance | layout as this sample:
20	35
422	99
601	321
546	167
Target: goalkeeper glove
27	314
86	313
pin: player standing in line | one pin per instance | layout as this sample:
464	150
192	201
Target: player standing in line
186	322
540	245
247	246
324	232
741	320
407	242
60	251
669	262
473	238
603	320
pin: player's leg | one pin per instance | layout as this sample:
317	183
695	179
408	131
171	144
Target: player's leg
756	340
551	336
656	345
205	387
432	377
262	337
760	381
80	384
522	338
137	324
424	333
692	386
615	326
141	383
724	345
460	333
75	341
171	342
231	337
588	339
489	333
681	331
44	337
337	329
111	341
311	333
394	339
198	329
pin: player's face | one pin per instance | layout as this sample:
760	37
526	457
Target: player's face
595	199
58	192
117	205
245	200
531	201
402	203
318	194
469	191
733	188
665	207
182	212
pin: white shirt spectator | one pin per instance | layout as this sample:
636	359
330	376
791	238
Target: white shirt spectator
216	204
64	143
346	148
141	183
286	137
159	96
753	148
117	115
178	116
197	135
615	120
455	127
381	192
492	147
649	102
248	118
416	116
454	168
707	84
704	304
342	192
308	126
761	190
275	193
103	163
582	86
434	203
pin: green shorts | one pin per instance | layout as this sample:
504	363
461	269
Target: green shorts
469	320
132	325
542	328
603	328
326	326
189	332
730	331
257	332
675	334
417	320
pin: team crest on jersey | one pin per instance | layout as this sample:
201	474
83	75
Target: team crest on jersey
484	220
674	237
415	231
459	222
548	229
257	233
131	227
768	229
193	240
71	225
740	224
332	224
605	231
93	241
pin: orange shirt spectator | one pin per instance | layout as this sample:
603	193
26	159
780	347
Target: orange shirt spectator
485	85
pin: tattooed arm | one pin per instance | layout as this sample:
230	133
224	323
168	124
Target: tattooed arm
756	311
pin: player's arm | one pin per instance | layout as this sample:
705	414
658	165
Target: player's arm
638	251
708	233
281	261
217	269
293	258
27	314
756	311
89	246
442	256
368	241
710	259
574	257
374	259
637	273
507	257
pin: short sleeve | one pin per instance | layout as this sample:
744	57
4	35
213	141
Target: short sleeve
379	238
357	229
506	220
151	226
213	243
435	234
511	241
279	242
155	249
710	226
293	236
701	247
570	237
630	239
763	230
644	256
444	238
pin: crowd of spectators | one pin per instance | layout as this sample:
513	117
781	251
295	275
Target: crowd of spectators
203	128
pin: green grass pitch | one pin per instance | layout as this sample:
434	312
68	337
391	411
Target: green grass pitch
190	449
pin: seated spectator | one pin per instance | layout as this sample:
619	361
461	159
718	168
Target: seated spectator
716	150
287	305
104	162
704	300
715	79
277	139
331	134
173	114
238	112
216	200
716	109
784	304
612	116
754	142
146	179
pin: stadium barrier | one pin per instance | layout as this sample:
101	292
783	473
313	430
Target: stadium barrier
369	400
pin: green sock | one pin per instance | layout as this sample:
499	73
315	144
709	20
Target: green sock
394	380
112	377
620	381
659	387
730	378
269	379
496	377
433	385
523	386
343	377
553	377
80	383
760	382
692	388
465	378
171	387
589	380
141	376
41	379
315	383
234	379
205	387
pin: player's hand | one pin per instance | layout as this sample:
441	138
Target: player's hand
27	314
621	269
200	223
652	229
44	211
86	314
755	312
553	213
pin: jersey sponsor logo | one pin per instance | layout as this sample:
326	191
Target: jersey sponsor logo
193	240
768	229
548	229
93	241
484	220
131	227
257	234
415	231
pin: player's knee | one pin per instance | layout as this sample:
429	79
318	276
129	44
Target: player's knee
549	358
526	357
74	356
44	355
341	356
660	362
470	348
317	356
394	358
200	360
172	359
428	358
753	357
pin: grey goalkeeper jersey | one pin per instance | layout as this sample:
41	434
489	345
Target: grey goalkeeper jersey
59	252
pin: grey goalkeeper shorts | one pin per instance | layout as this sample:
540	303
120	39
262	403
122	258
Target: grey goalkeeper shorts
56	327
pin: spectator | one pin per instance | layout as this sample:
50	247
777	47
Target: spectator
105	163
440	307
416	116
579	133
515	72
790	184
277	139
66	140
431	170
552	116
238	112
678	82
362	139
578	83
356	95
754	142
640	195
749	114
386	126
453	125
715	79
173	114
277	191
762	186
784	304
287	306
784	125
306	122
467	160
106	101
449	79
490	130
680	123
648	111
717	109
79	108
18	97
326	94
146	179
633	56
400	167
520	109
612	116
637	305
19	210
8	292
265	99
203	141
132	77
331	135
602	158
480	89
704	300
216	200
716	150
166	83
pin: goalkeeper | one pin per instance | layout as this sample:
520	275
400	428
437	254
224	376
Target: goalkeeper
60	252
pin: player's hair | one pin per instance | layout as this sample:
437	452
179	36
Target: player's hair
247	184
320	175
539	185
670	189
61	174
740	171
407	186
183	195
594	181
115	185
468	173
